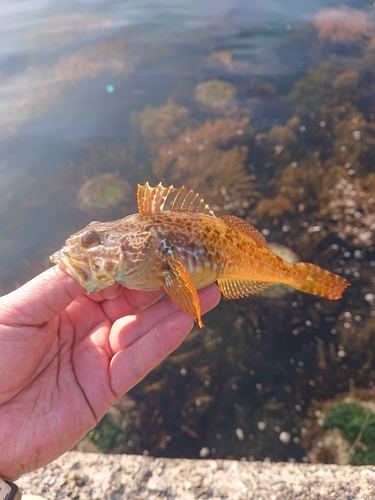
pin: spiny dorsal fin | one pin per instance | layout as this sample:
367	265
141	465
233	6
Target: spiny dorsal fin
236	289
160	198
245	227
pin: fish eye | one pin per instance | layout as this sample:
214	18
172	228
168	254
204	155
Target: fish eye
90	239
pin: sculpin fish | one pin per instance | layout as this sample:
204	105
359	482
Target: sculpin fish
177	242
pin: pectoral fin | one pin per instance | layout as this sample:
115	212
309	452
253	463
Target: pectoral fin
180	287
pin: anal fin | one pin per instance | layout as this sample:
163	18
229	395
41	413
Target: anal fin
180	287
236	289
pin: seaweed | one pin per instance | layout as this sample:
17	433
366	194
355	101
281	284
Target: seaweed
356	421
62	29
344	24
219	176
208	160
283	135
161	125
45	84
275	208
352	210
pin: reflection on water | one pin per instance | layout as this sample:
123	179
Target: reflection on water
267	110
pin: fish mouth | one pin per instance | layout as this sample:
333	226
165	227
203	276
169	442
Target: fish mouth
79	269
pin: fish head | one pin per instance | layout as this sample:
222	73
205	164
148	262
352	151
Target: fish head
93	256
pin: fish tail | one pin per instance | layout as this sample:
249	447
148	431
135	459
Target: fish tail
318	281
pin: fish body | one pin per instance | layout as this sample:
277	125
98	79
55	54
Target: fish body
177	242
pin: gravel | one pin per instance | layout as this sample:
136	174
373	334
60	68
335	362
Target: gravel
94	476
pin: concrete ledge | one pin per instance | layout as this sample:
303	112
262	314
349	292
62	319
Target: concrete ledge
92	476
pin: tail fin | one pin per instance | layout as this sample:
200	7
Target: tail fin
318	281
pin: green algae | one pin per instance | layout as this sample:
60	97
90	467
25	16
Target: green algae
103	193
356	422
215	94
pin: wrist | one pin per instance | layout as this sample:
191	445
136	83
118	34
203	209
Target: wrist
9	490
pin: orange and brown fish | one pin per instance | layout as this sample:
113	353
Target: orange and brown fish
177	242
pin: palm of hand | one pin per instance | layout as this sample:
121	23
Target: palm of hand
62	372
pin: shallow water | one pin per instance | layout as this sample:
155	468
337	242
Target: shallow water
76	80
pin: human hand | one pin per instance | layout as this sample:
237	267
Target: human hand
66	357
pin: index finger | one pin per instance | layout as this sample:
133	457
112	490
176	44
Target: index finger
130	302
40	299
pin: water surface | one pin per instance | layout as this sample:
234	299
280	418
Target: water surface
91	88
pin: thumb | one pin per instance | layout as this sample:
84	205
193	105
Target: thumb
40	299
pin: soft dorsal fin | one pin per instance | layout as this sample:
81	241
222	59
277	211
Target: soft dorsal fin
160	198
245	227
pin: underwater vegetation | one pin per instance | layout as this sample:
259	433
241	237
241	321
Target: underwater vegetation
209	158
211	165
356	421
223	56
342	431
352	207
28	94
160	125
344	24
280	134
64	28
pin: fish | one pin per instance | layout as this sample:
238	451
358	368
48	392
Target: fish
176	241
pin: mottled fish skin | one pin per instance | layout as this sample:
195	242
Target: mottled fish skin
177	242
